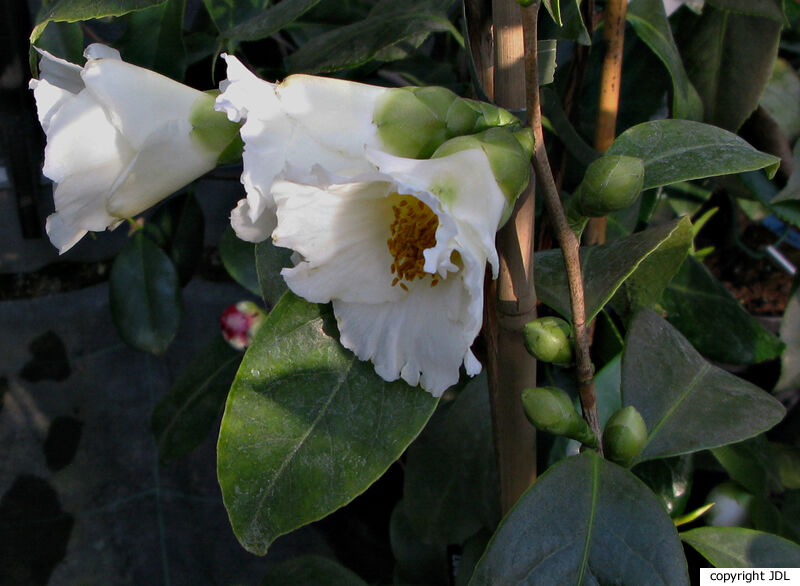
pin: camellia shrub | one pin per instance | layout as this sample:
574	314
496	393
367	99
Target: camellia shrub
473	228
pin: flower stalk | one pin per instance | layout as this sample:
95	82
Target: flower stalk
570	245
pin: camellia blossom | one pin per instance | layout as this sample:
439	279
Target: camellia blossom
401	252
120	138
309	120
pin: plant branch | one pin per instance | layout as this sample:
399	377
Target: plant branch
511	300
570	245
608	106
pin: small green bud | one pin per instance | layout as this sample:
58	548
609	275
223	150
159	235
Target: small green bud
547	339
611	183
550	409
624	436
213	130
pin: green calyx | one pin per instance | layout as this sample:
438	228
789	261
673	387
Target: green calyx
550	409
548	340
214	131
625	436
414	121
509	155
611	183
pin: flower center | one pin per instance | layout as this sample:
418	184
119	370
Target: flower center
413	230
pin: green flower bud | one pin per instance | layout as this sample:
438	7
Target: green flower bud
214	131
550	409
547	339
508	158
611	183
414	121
624	436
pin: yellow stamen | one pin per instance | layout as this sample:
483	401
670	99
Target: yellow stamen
412	232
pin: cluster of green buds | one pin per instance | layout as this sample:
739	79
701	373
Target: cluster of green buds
550	409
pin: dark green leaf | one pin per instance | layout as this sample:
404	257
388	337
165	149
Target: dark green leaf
649	20
577	147
270	259
713	320
180	225
786	203
657	253
781	99
766	8
554	8
239	259
76	10
417	562
63	39
311	569
356	44
307	426
681	150
687	403
728	58
145	295
585	521
450	487
470	554
163	50
734	547
186	413
670	479
227	14
269	21
570	28
750	464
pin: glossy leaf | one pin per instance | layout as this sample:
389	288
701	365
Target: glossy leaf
270	259
728	58
307	426
687	403
76	10
670	479
355	44
180	225
239	259
186	413
163	51
681	150
145	295
270	20
713	320
311	569
751	464
649	20
585	521
657	253
450	486
735	547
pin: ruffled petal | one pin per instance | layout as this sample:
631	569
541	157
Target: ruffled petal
425	337
341	233
248	230
63	236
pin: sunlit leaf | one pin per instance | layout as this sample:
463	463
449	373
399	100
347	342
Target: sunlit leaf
735	547
307	426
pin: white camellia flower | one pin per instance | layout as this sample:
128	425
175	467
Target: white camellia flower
401	252
120	138
309	120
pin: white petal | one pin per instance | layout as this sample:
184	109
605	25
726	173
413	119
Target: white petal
138	101
248	230
63	236
464	184
336	113
341	232
59	72
101	51
425	337
80	138
169	160
244	94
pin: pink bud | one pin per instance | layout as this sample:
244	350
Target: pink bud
240	322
